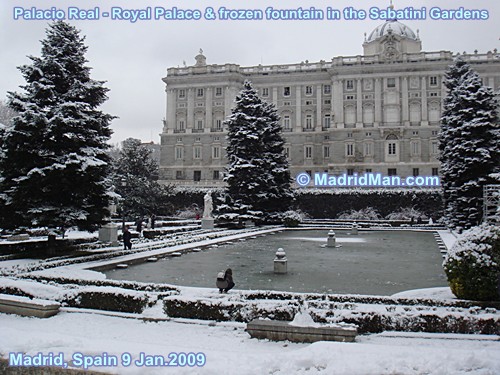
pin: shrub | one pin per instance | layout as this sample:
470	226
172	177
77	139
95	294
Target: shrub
367	213
473	264
406	213
292	218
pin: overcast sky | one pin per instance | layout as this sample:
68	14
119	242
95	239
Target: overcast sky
133	57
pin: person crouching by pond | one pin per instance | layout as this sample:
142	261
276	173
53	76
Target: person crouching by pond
225	281
127	238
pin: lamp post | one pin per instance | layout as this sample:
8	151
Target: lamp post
123	184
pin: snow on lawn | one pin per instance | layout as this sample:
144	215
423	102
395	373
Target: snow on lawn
230	350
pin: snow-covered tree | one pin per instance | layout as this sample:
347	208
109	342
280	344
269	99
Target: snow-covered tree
135	175
55	164
258	178
469	145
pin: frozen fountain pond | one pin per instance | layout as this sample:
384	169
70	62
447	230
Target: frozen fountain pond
372	262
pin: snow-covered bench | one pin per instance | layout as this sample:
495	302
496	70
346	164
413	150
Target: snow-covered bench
278	330
25	306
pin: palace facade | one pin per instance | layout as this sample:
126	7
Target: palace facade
378	112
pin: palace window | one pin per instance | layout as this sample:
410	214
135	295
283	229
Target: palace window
218	91
199	93
286	122
326	121
197	152
327	89
179	153
182	93
326	152
433	81
216	152
286	91
349	149
392	172
391	148
349	84
309	122
265	91
197	176
309	90
368	149
391	82
216	175
308	152
416	172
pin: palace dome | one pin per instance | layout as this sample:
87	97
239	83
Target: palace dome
397	28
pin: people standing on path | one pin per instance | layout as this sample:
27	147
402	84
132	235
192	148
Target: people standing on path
127	238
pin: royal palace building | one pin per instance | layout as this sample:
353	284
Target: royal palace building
378	112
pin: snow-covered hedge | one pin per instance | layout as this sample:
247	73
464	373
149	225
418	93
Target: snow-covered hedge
371	314
329	203
473	264
110	299
368	213
292	218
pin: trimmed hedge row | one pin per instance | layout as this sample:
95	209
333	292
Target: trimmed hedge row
109	301
330	203
397	315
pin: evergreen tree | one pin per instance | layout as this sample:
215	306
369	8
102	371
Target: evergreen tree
469	145
55	165
135	175
258	178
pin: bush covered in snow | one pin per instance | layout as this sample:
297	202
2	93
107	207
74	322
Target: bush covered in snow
367	213
292	218
473	264
406	213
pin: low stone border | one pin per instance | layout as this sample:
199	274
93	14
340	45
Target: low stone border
25	306
280	331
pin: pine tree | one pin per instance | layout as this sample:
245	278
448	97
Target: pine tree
258	178
135	175
55	163
469	145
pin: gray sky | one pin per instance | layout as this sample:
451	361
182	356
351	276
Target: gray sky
133	57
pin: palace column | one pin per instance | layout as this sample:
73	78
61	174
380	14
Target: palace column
298	108
208	108
405	106
190	109
378	101
338	102
425	113
319	106
171	104
359	104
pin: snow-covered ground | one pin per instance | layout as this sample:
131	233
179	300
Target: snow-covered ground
230	350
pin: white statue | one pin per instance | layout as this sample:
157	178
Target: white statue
208	208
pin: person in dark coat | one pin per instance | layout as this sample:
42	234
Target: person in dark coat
138	225
225	284
228	276
127	237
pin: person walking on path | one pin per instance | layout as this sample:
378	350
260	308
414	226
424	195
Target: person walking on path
127	239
